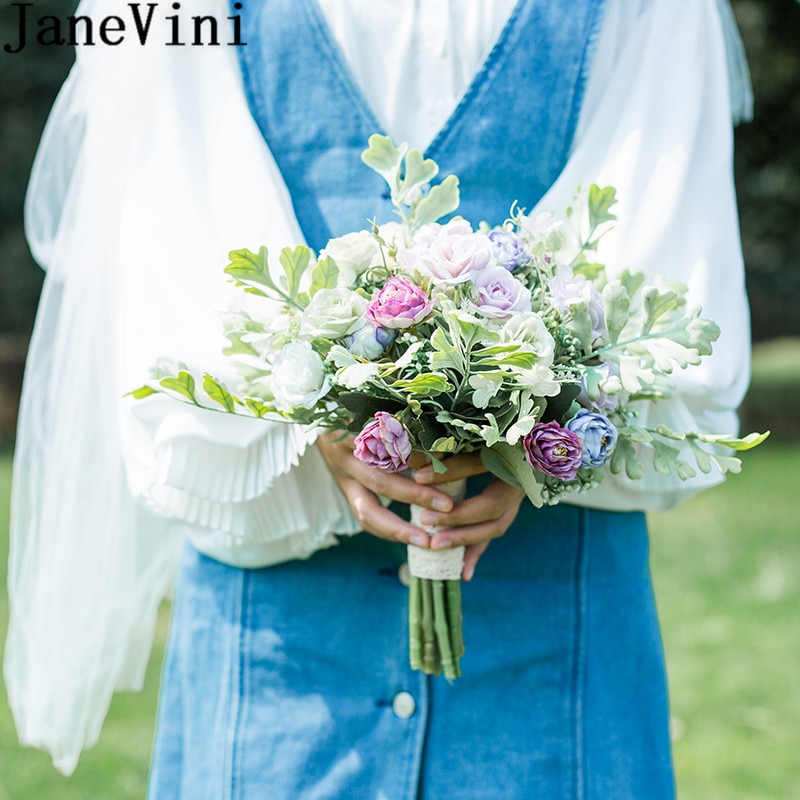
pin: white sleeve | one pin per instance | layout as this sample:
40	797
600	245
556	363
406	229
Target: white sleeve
132	219
657	126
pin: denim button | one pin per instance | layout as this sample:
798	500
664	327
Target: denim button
404	574
404	705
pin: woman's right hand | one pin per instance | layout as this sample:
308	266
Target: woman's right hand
362	485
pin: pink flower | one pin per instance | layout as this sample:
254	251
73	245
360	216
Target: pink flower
553	450
500	294
384	443
399	303
451	253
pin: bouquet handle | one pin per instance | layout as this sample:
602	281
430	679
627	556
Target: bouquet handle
436	640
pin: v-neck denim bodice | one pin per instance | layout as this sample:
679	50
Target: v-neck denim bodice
507	139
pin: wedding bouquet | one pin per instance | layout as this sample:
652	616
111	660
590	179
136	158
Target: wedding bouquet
440	338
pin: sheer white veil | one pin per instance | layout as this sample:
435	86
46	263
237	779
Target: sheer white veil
132	221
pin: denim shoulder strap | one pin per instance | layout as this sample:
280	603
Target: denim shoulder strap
507	139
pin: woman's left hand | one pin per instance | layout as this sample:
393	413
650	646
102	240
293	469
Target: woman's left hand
473	522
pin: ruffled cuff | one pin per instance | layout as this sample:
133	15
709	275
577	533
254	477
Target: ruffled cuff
240	486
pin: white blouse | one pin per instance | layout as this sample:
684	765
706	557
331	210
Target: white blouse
151	169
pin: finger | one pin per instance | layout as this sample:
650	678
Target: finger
374	518
344	465
471	556
464	465
400	488
490	504
475	533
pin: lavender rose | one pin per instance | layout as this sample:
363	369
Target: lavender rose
598	435
570	292
553	450
399	303
509	250
450	254
500	294
384	443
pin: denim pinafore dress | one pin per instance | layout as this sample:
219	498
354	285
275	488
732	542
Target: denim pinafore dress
292	682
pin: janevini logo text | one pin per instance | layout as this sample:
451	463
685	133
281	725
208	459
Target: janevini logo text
140	23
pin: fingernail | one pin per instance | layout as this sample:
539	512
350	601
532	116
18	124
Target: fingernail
423	475
427	518
419	539
469	571
441	544
441	504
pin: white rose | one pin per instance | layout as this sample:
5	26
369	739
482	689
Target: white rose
353	253
529	332
298	377
333	313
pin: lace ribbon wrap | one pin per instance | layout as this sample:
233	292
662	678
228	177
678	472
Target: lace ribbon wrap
443	565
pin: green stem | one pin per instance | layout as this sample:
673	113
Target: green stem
449	662
414	624
454	616
431	662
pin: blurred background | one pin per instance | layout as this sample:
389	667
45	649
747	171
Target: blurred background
726	564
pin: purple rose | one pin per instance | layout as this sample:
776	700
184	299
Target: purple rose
553	450
399	303
598	435
370	341
500	294
384	443
509	250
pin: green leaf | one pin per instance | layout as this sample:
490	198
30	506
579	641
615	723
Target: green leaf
616	305
295	262
324	275
668	433
746	443
656	304
559	405
428	384
141	392
363	406
418	171
219	394
727	464
237	346
258	408
250	267
601	200
383	157
701	457
508	463
625	458
442	199
664	457
589	269
182	383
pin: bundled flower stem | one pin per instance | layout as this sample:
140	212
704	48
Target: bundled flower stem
436	643
435	637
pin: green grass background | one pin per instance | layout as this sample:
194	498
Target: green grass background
726	568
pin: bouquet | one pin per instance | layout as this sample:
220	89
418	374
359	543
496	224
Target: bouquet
442	338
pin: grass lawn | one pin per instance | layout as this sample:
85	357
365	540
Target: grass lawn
726	569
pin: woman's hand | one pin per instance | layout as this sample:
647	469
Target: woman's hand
362	484
473	522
